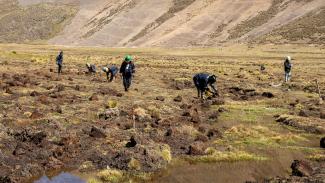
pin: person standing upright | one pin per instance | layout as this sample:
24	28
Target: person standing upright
127	70
59	62
287	69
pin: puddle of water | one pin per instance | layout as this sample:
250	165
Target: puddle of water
61	178
230	172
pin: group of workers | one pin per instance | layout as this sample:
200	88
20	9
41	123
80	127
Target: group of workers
126	70
204	83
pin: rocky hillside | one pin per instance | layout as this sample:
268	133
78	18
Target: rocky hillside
168	23
32	23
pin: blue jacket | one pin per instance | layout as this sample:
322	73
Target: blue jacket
59	59
113	70
201	80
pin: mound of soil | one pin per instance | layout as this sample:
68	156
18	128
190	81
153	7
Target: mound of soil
303	172
93	97
28	136
160	98
108	91
132	142
178	99
196	149
182	84
97	133
301	168
239	93
308	127
322	142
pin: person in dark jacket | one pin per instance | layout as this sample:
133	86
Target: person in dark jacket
127	69
59	62
113	70
91	68
287	69
202	81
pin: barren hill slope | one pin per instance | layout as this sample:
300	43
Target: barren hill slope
32	23
187	23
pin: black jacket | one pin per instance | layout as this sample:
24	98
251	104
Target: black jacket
201	81
123	68
287	66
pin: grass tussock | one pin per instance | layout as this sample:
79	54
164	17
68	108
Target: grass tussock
110	176
118	176
215	156
111	104
134	164
259	135
166	153
188	130
317	157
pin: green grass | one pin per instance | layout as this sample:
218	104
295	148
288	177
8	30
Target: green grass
259	135
249	113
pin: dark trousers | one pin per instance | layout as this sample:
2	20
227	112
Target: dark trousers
127	80
110	78
59	68
200	89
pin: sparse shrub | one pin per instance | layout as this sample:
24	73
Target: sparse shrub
154	112
86	165
14	52
299	107
188	130
111	104
110	176
141	114
210	151
134	164
166	153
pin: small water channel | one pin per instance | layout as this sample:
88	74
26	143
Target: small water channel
223	172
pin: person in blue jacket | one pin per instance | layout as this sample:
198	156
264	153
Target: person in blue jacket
111	72
202	81
91	68
59	62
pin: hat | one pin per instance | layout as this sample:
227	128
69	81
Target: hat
128	58
88	64
288	58
105	69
